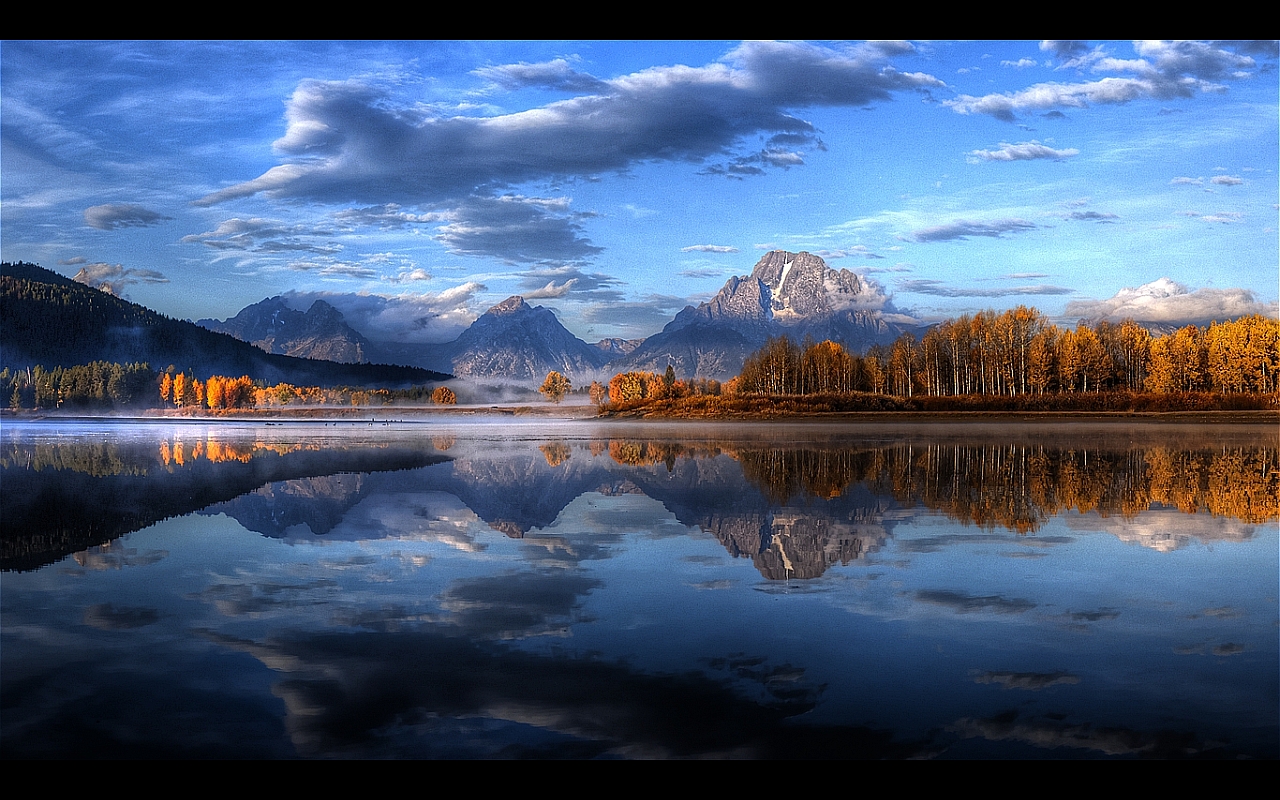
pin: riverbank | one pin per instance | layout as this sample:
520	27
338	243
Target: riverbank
550	413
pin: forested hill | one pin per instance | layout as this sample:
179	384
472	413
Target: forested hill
51	320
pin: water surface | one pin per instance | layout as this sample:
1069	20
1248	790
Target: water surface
476	589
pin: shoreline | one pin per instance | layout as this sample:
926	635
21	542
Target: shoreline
409	415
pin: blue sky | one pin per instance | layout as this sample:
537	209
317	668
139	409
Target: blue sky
415	184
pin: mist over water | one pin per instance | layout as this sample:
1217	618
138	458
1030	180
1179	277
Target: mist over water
481	588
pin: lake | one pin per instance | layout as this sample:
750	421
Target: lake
499	588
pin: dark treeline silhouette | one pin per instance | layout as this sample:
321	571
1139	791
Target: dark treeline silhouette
98	385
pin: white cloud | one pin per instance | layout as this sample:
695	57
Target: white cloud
113	278
408	276
1163	70
428	317
1022	151
708	248
1168	302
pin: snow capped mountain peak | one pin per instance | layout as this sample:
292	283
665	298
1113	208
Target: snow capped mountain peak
1161	287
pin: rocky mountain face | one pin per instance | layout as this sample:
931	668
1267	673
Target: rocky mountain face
792	294
519	342
319	332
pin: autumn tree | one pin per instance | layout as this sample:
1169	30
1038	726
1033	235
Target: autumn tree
627	387
1178	362
444	396
555	387
180	389
826	367
1042	359
904	360
1082	359
773	369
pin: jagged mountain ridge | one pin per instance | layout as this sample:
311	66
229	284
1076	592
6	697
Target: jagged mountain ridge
319	332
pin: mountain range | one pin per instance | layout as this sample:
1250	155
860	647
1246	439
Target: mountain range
792	294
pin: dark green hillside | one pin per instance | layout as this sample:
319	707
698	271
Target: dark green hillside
51	320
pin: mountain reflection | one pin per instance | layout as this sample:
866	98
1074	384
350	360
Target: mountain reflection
65	494
794	508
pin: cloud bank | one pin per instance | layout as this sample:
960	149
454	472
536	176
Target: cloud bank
429	317
1169	302
353	142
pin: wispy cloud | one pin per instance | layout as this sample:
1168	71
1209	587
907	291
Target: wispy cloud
940	289
1162	70
963	229
122	215
263	236
1092	216
708	248
113	278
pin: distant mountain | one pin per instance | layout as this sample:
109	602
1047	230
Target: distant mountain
50	320
795	294
616	348
520	342
792	294
320	332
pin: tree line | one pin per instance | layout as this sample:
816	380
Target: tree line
1019	352
96	385
108	386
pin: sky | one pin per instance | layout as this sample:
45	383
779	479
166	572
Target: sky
416	184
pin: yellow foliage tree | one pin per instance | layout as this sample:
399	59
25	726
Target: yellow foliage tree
555	387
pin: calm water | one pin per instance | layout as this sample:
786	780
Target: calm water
543	589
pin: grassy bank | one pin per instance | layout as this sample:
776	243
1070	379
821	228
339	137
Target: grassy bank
1244	406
